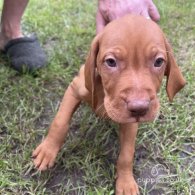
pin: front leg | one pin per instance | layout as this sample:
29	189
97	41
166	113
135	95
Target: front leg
125	183
45	154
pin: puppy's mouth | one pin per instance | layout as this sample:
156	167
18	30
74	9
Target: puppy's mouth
122	114
132	119
143	119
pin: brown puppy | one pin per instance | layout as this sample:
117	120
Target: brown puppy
120	80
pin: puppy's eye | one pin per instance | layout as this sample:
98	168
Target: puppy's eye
158	62
111	62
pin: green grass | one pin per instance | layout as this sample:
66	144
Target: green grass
86	164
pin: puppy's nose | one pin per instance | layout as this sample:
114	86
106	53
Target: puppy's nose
138	107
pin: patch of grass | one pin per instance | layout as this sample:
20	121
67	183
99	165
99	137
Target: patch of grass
86	164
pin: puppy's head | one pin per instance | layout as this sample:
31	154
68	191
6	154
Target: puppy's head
131	56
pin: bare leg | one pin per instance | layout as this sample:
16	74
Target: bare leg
125	183
11	20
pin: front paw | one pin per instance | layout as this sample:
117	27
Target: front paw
45	154
126	185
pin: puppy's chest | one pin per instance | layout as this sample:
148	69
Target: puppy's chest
96	101
100	110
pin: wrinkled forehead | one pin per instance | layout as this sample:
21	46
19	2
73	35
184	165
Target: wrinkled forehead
133	32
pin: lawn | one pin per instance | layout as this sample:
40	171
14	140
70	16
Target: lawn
165	149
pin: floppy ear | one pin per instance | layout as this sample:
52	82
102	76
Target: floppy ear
90	69
175	80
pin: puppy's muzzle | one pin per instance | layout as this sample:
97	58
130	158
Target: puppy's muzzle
138	108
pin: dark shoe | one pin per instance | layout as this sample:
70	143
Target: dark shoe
25	54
